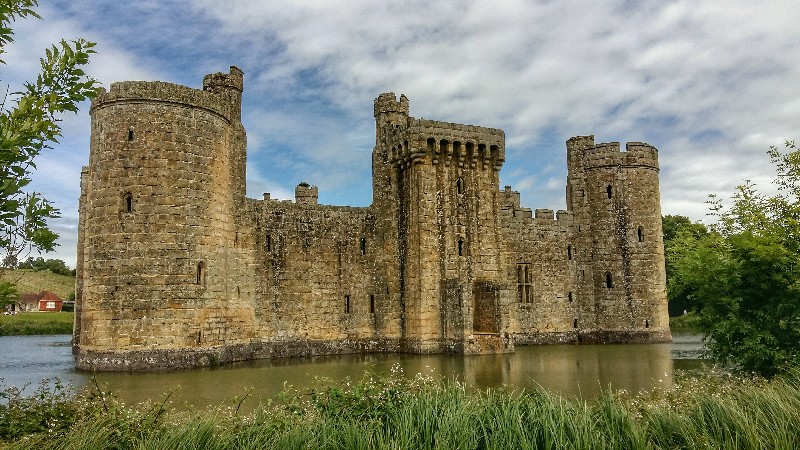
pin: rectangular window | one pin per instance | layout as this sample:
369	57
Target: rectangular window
363	246
524	282
51	305
372	304
347	304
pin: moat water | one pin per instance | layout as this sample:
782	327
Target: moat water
571	370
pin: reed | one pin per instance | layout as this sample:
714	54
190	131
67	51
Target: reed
714	410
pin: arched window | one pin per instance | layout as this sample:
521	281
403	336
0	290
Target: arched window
459	186
608	191
130	134
609	281
460	247
574	323
200	277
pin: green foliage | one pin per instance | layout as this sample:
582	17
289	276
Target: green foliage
675	227
713	411
53	265
49	410
8	294
28	126
742	276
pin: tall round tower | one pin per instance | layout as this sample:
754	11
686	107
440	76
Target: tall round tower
157	208
627	250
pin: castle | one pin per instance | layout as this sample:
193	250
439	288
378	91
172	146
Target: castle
178	268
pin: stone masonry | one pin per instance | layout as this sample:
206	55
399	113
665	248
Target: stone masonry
178	268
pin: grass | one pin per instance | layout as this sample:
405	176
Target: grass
393	412
687	323
31	281
30	323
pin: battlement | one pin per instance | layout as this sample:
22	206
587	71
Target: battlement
215	82
388	103
509	203
448	143
129	92
636	154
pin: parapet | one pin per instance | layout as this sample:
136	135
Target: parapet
388	103
215	82
636	154
207	98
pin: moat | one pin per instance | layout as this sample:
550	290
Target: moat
571	370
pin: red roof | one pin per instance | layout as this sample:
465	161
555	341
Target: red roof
33	298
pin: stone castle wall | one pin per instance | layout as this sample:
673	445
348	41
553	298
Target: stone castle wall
176	268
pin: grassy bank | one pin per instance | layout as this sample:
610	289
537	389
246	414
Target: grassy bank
685	324
30	323
714	411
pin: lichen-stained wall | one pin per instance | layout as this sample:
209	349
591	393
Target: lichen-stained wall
317	274
177	268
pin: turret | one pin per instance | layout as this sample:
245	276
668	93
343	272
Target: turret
619	245
157	208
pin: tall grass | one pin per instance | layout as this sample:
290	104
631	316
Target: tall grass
392	412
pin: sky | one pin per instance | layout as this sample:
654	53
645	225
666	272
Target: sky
711	84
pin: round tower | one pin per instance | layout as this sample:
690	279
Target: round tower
157	215
627	254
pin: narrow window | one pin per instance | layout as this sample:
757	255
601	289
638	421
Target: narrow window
609	282
362	245
130	134
459	186
268	243
128	202
569	296
646	323
608	191
640	234
200	278
372	304
569	252
574	323
460	247
347	304
524	283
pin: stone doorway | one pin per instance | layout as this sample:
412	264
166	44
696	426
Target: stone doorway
484	312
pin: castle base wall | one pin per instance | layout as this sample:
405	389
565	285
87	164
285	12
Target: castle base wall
190	358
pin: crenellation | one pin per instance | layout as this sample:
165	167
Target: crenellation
196	274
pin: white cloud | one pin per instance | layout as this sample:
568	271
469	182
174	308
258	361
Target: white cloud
712	87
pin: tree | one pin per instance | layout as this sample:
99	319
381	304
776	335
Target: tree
742	277
29	124
673	227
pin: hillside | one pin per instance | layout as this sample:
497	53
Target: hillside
30	281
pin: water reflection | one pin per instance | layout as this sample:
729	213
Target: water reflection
571	370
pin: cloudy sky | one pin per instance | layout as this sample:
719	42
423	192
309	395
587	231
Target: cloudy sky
711	84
